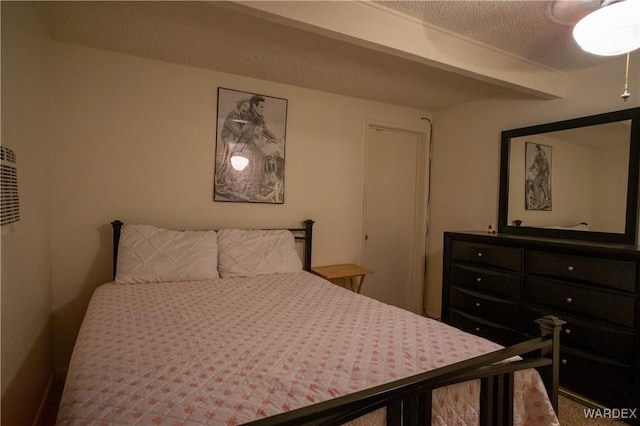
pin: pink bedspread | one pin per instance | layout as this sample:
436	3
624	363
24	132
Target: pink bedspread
227	351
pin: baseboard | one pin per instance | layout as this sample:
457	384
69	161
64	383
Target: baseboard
60	374
42	408
579	398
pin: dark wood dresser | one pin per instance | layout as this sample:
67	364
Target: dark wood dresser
496	285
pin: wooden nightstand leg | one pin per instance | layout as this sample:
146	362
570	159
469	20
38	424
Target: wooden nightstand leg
362	277
353	285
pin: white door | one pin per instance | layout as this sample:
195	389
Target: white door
395	216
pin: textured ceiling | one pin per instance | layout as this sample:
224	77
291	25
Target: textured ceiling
214	36
537	30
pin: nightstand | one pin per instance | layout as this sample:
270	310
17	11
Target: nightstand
351	273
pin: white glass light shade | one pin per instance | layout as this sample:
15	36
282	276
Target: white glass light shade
611	30
239	162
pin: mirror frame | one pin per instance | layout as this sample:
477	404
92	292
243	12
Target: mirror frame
631	218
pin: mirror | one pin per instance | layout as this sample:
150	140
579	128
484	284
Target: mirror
574	179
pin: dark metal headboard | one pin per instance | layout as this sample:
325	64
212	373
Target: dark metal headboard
304	234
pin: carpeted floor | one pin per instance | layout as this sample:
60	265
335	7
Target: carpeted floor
572	413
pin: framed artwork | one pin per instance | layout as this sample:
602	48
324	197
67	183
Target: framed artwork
250	147
537	176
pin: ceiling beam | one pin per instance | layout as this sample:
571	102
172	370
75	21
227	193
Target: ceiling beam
375	27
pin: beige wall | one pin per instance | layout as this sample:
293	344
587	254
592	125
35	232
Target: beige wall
26	255
466	152
134	140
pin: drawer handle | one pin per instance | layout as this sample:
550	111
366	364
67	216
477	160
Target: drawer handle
477	329
479	254
564	362
479	279
568	331
570	268
477	304
569	299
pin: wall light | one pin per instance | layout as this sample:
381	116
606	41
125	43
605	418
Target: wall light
614	29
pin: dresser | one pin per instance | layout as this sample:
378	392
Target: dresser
496	285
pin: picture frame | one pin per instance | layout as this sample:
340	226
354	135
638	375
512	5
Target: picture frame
250	147
538	177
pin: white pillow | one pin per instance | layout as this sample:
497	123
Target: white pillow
250	252
147	254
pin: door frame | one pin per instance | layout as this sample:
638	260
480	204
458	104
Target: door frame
421	216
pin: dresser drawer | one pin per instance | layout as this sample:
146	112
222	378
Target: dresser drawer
618	274
484	306
496	333
608	383
486	280
488	255
587	302
613	342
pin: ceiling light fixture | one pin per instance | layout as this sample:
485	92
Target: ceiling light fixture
613	29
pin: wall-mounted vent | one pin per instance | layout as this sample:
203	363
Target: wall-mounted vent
10	207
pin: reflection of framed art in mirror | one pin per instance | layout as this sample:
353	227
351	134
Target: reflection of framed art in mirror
537	182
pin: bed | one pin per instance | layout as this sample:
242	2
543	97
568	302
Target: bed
228	327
